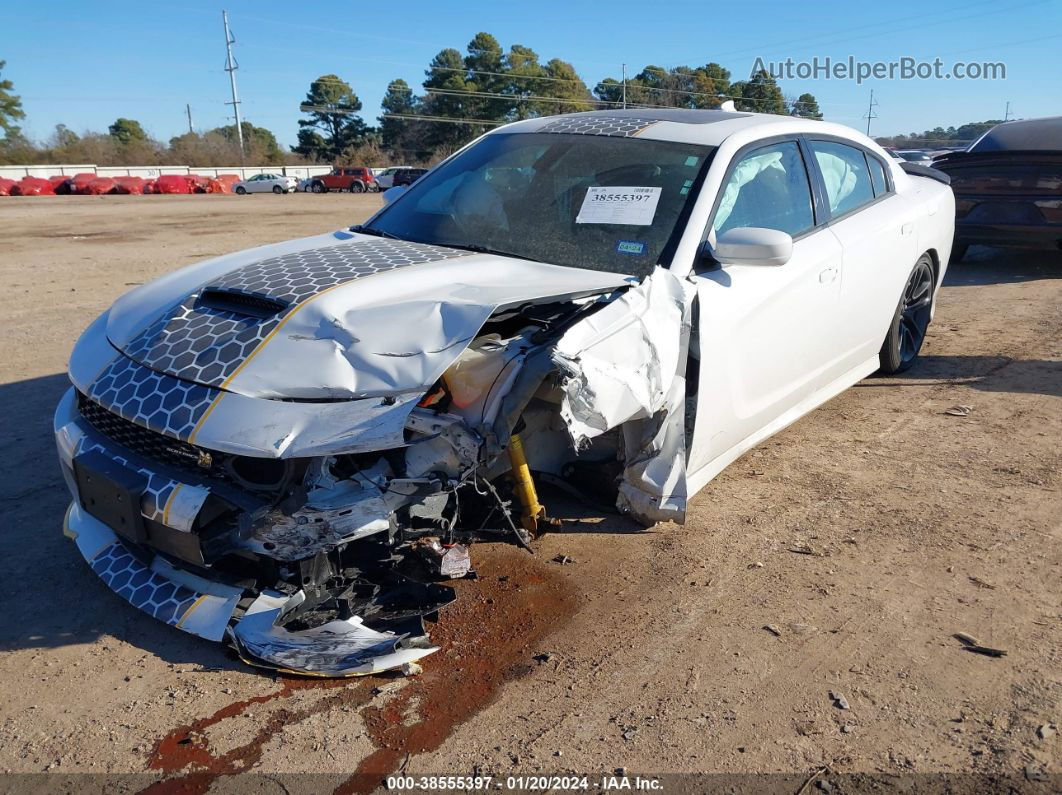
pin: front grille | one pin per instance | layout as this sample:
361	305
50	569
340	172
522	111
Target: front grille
149	444
259	475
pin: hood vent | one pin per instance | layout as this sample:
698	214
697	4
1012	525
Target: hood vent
239	303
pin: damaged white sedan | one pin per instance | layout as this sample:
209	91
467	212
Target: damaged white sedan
287	448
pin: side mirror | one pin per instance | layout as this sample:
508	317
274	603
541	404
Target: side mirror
391	194
751	245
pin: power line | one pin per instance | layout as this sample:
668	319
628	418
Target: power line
838	31
410	117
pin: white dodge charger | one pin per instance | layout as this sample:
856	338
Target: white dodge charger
286	448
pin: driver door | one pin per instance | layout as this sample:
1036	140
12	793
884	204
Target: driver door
765	342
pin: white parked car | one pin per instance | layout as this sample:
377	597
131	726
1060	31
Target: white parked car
385	177
304	185
919	157
266	183
259	445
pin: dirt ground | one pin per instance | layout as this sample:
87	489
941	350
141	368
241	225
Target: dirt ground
865	536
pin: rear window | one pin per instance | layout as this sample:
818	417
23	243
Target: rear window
844	170
877	175
1033	135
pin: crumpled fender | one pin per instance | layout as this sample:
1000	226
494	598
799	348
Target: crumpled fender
625	366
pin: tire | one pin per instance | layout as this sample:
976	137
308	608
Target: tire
356	187
241	190
319	187
277	189
911	320
958	251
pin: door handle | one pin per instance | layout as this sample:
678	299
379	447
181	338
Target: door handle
827	276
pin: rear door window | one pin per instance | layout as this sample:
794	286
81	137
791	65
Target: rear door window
877	176
847	177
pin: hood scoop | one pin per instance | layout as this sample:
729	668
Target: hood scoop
238	302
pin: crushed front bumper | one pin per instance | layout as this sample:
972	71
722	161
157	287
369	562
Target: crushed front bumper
250	622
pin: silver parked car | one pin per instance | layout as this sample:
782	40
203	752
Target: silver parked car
385	177
266	183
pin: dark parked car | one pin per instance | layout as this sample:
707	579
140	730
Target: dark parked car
408	176
1008	186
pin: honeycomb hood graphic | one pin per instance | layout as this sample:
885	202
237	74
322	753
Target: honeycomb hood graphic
339	316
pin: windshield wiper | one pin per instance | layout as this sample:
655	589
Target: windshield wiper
486	250
368	230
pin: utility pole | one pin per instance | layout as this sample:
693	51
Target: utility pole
188	110
231	66
870	111
1006	114
624	70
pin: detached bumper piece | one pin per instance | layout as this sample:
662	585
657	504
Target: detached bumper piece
338	648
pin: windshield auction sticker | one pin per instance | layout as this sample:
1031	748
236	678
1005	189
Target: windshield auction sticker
625	206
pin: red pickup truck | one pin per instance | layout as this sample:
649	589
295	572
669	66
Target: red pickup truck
356	179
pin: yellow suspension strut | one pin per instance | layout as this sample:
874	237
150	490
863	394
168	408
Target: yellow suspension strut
525	486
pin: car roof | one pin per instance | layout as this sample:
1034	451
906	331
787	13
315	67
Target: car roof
708	127
1027	134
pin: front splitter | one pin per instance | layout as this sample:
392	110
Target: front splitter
205	608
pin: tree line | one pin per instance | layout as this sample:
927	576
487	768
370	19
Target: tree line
461	96
939	136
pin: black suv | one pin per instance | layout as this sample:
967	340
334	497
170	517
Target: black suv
407	176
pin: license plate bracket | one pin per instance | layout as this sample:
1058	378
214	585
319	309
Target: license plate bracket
111	492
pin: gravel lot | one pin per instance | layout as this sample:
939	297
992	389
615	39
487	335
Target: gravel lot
648	652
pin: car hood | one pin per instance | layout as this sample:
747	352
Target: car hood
331	317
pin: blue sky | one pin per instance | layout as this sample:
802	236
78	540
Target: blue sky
85	63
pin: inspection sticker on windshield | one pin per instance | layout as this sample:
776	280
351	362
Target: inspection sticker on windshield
626	206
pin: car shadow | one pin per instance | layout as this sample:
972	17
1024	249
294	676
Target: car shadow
51	597
985	373
985	265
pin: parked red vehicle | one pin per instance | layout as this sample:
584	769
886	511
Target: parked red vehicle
130	185
356	179
101	186
198	183
173	183
6	185
226	181
33	186
79	182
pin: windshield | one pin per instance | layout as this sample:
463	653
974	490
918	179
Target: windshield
584	201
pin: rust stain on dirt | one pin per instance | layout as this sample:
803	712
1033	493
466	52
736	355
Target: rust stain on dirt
487	637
